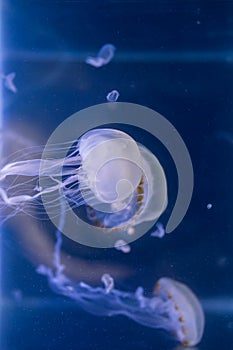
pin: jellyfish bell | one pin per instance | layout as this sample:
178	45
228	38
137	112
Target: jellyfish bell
121	181
187	313
111	164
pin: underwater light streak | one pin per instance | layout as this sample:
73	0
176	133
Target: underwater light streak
1	124
124	56
221	305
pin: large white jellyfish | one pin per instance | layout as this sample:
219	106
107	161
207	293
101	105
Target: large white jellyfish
119	182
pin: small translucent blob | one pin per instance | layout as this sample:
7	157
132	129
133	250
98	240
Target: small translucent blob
112	96
108	282
122	246
104	56
17	295
173	307
209	206
223	261
159	232
8	81
131	231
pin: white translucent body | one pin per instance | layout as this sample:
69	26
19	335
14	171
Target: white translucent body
113	165
111	162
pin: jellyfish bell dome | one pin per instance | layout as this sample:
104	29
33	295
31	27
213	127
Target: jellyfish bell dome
121	177
111	165
187	313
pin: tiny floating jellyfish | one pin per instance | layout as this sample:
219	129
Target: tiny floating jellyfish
104	56
8	79
112	96
108	282
209	206
159	232
122	246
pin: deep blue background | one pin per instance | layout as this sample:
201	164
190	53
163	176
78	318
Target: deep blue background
175	57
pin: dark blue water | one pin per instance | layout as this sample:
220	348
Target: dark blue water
175	57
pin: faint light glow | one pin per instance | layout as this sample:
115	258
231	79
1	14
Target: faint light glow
1	124
209	206
1	69
218	305
197	56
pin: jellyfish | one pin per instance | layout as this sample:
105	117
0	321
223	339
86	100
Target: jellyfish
112	96
128	188
104	56
119	182
8	79
159	232
173	307
122	246
108	282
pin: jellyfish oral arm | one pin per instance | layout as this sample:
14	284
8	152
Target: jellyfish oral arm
27	168
34	167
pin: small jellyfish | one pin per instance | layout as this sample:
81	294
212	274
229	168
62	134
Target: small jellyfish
108	282
173	307
104	56
186	310
209	206
159	232
8	80
112	96
122	246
